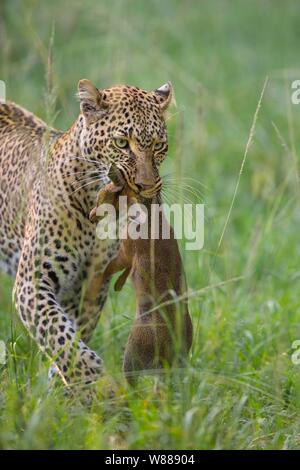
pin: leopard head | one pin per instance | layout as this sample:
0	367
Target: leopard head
125	126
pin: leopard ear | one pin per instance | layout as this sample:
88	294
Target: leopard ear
164	95
90	98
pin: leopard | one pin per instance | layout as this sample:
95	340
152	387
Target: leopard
49	182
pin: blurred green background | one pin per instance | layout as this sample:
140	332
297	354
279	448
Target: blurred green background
241	389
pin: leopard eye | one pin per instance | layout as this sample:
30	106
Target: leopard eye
121	143
158	146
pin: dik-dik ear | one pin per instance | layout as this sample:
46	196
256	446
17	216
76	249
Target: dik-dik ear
91	102
164	95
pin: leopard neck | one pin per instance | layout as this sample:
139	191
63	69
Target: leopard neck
78	175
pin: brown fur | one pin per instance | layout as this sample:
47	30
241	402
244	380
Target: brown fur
161	335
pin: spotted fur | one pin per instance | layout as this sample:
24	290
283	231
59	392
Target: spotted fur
49	182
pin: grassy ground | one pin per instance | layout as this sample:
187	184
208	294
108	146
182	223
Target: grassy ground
241	389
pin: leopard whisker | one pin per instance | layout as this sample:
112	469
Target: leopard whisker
186	187
171	177
94	181
83	174
91	178
184	198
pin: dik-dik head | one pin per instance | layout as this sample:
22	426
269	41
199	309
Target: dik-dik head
125	125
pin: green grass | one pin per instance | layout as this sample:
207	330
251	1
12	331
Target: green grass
241	389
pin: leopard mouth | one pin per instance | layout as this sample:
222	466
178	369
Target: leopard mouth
119	176
150	193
